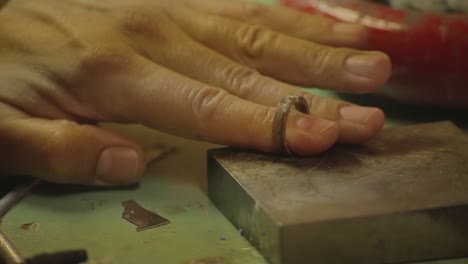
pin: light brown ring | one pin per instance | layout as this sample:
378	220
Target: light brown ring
280	143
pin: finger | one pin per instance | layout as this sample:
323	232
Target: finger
66	152
288	21
162	99
286	58
356	124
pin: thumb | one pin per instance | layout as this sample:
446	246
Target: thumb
66	152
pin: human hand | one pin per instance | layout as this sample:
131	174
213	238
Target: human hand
428	50
206	70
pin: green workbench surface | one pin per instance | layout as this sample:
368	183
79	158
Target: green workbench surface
76	217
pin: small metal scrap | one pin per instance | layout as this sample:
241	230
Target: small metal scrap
141	217
281	118
30	226
157	152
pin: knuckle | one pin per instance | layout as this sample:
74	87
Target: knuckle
142	22
252	40
100	60
262	117
265	116
241	80
135	20
320	58
205	104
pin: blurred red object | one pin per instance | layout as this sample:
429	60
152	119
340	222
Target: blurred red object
426	48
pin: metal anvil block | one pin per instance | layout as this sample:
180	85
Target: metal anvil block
401	197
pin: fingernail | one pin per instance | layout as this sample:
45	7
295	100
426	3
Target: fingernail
357	114
348	28
363	65
314	125
118	164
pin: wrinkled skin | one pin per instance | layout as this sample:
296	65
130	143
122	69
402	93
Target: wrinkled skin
206	70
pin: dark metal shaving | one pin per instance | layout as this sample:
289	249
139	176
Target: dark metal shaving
141	217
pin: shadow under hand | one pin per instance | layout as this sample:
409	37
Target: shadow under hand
402	113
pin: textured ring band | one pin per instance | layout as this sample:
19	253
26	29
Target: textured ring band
280	143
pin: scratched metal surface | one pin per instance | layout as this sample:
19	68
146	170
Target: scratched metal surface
381	177
408	186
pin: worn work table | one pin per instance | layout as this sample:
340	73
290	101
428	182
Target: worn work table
71	217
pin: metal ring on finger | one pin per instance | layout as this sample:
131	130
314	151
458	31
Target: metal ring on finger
280	143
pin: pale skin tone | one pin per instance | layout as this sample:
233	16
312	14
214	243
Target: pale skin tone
207	70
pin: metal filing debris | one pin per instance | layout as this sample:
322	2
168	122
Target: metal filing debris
401	197
141	217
